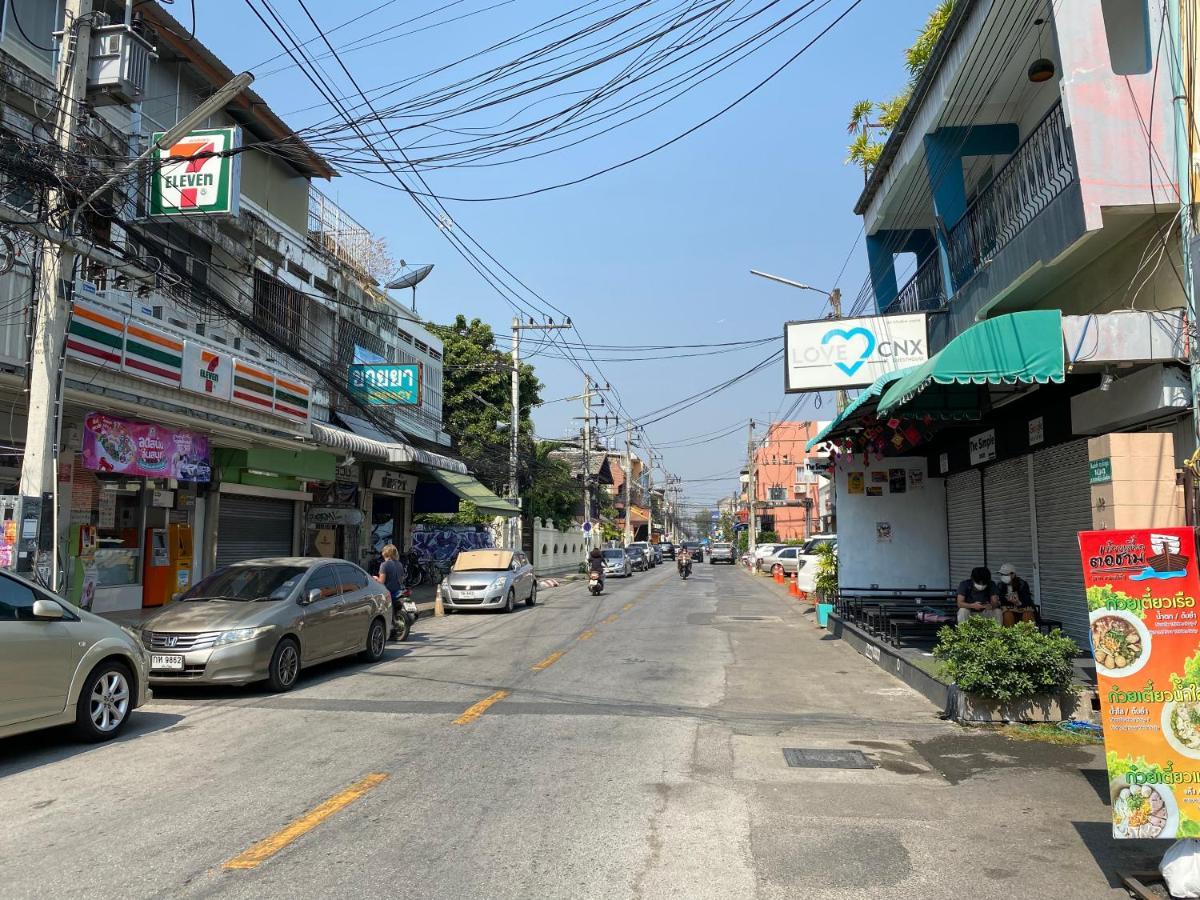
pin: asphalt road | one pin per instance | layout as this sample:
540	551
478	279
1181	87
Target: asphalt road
622	746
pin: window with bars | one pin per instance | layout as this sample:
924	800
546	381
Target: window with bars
777	493
277	308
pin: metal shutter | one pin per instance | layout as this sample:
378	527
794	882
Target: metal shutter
1064	508
250	527
964	523
1009	526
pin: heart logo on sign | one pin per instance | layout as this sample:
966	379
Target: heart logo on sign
848	335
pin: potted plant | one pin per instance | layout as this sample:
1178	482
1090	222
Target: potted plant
1007	674
825	584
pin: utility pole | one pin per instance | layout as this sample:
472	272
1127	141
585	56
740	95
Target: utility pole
752	534
514	424
628	485
835	309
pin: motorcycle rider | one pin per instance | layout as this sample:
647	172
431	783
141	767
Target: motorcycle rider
596	564
684	560
392	575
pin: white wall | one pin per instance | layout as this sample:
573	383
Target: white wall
557	552
916	554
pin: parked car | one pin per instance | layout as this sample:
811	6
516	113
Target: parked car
667	548
658	554
646	550
696	549
807	560
266	620
762	551
637	558
616	563
722	552
62	665
782	560
489	579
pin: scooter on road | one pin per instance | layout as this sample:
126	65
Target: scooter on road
595	583
404	614
685	569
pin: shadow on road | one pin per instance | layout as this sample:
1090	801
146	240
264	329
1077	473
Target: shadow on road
38	748
1112	855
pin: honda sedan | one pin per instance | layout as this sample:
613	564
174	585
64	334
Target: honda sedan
266	619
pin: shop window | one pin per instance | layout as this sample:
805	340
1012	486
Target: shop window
119	528
777	493
16	601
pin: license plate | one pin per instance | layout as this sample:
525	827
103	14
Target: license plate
158	661
409	606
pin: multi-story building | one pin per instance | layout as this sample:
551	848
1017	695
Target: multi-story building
214	407
1030	187
785	484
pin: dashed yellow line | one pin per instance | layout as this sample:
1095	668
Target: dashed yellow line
268	847
611	619
586	635
477	710
549	660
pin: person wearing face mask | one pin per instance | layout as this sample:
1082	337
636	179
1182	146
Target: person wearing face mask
977	596
1015	596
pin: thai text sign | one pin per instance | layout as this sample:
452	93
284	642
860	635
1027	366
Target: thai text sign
845	353
1141	588
130	447
386	384
196	175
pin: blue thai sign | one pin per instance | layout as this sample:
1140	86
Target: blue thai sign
387	384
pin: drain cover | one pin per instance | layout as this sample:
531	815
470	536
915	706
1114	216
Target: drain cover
752	618
826	759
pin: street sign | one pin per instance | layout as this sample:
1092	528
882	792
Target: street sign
386	384
850	352
1100	471
204	179
587	526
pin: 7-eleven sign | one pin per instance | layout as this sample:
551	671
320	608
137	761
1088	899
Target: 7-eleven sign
197	175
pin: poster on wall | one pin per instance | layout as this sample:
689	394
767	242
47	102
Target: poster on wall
854	482
874	490
1141	588
879	476
129	447
897	481
883	532
916	479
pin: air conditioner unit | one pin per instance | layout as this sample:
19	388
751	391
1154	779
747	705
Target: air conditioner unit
118	65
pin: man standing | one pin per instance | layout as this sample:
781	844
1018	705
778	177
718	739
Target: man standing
977	596
1015	596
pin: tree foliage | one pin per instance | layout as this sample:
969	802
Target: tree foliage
553	492
703	520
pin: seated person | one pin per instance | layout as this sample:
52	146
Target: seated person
1016	597
977	596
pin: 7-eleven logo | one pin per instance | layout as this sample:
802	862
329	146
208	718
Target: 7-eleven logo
186	149
196	174
208	371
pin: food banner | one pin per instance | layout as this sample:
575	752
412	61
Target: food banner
129	447
1142	587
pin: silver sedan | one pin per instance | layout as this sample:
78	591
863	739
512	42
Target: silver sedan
489	579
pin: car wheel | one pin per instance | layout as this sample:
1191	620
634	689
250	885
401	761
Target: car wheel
104	703
510	602
532	601
376	641
285	665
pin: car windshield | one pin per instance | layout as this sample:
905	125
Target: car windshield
812	545
613	554
248	583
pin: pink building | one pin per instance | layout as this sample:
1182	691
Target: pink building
785	490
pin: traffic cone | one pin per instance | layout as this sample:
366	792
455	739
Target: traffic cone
792	589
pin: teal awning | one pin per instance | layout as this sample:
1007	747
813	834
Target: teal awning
877	387
1018	348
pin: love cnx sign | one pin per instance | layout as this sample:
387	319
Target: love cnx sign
846	353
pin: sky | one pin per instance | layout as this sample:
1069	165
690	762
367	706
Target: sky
657	252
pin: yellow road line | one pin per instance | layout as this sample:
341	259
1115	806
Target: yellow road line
268	847
586	634
474	712
611	619
627	607
549	660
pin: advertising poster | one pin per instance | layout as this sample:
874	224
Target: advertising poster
874	490
854	482
883	532
1141	590
129	447
879	477
897	481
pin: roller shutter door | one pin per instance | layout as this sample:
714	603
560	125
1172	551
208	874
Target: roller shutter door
964	524
1009	525
250	527
1064	508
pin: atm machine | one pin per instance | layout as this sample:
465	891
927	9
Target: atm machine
167	569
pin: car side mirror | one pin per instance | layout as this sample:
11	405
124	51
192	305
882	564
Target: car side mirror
313	596
47	609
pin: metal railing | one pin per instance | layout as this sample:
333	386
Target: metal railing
330	228
1039	170
923	292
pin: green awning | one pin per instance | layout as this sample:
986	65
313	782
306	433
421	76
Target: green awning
1018	348
467	488
877	387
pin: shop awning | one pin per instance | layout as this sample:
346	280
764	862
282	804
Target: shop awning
361	438
467	488
1018	348
869	393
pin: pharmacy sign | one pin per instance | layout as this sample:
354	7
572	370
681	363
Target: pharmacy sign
197	174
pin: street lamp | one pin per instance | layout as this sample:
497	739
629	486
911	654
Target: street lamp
835	307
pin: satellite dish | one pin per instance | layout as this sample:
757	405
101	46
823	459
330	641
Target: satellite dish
411	279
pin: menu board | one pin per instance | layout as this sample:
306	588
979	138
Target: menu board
1142	587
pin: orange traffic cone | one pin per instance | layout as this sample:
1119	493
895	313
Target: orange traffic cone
792	588
778	574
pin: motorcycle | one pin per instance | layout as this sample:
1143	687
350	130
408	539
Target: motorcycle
595	583
685	569
404	614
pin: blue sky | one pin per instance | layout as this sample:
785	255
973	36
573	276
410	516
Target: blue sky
655	253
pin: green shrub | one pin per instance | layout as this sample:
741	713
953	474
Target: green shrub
768	537
1006	664
825	583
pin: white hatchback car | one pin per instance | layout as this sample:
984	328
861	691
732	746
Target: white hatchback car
60	664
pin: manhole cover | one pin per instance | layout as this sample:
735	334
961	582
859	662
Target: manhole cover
826	759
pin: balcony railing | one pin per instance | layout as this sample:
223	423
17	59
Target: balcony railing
331	229
1039	171
923	292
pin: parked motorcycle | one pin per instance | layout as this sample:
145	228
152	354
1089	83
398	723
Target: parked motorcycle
595	583
404	614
